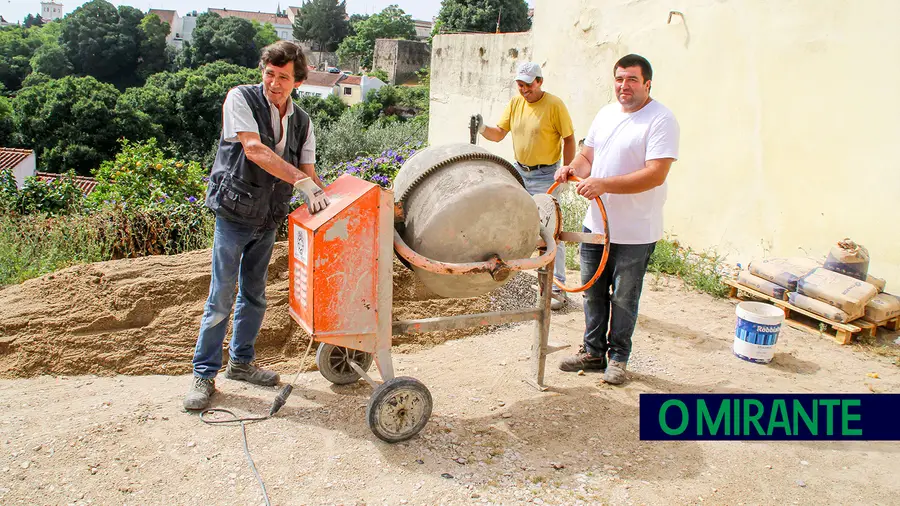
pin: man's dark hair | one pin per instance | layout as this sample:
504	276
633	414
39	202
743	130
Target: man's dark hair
634	60
282	52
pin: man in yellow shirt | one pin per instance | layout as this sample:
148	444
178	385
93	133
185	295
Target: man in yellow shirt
540	126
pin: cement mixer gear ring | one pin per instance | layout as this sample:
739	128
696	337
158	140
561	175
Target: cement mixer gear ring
459	158
602	266
399	409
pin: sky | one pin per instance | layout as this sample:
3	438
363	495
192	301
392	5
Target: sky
16	10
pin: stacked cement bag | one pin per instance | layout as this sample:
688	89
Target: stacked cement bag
847	257
833	295
783	272
761	285
878	283
883	307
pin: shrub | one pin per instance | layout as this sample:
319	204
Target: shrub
379	169
59	196
142	176
349	138
36	244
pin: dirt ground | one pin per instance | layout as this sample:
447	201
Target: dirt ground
120	436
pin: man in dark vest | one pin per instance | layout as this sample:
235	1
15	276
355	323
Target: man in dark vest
266	151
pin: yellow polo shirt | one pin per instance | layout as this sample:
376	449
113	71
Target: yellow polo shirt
537	129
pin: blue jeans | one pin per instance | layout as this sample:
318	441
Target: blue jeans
539	181
611	305
240	255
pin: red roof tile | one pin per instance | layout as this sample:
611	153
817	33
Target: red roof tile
166	16
326	79
262	17
352	80
10	157
85	184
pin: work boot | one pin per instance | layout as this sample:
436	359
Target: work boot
199	394
251	374
557	300
615	372
582	361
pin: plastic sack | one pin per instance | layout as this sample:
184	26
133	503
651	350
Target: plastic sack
848	258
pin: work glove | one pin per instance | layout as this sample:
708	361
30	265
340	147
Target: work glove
479	122
316	200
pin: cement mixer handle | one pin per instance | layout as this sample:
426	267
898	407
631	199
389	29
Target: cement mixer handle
591	238
495	266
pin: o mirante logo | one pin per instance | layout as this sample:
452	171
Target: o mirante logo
769	416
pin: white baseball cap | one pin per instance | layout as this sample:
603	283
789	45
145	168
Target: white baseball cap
528	71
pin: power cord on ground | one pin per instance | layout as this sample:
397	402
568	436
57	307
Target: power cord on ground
280	399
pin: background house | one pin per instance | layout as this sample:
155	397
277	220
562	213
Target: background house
22	162
282	21
320	84
85	184
353	89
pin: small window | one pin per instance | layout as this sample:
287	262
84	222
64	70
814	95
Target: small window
348	90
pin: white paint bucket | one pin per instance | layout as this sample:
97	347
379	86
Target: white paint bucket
756	331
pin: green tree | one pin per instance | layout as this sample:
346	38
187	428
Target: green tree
231	39
152	46
50	59
322	111
69	122
323	22
17	46
183	109
482	15
354	19
390	23
33	20
265	34
6	121
102	41
35	78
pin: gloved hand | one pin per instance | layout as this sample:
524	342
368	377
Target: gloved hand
479	122
316	200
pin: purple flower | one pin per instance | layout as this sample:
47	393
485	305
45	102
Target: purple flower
192	199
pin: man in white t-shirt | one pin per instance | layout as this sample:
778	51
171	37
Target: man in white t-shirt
626	157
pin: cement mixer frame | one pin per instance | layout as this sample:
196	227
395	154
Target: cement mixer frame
400	407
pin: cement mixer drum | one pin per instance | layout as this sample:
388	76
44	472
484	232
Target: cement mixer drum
461	204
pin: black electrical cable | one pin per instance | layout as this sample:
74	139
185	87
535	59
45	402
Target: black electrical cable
280	399
242	421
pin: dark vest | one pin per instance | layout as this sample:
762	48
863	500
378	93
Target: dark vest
241	191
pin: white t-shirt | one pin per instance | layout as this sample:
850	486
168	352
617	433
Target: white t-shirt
623	143
237	117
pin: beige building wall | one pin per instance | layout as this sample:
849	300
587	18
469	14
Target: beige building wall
473	74
788	115
351	94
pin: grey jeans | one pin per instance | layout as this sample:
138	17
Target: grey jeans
539	181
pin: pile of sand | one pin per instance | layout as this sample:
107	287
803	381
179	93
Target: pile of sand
141	316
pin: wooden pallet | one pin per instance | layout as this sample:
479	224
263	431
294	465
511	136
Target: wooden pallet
870	328
844	332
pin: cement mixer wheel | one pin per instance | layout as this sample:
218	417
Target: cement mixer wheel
334	363
399	409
